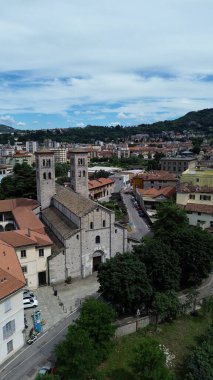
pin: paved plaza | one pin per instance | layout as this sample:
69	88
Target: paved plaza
56	307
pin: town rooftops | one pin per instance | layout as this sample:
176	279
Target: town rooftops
185	187
73	202
10	204
78	150
166	192
11	275
157	175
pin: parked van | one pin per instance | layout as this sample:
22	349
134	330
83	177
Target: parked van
29	302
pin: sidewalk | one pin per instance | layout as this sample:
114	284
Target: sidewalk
69	296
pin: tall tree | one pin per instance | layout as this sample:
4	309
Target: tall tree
97	319
170	219
162	264
166	306
195	250
76	355
123	281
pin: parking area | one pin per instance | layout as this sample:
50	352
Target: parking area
53	308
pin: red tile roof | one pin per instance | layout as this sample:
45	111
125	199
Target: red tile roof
11	204
11	275
100	182
24	238
195	207
157	175
167	192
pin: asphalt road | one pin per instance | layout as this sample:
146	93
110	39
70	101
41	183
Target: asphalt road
25	364
137	224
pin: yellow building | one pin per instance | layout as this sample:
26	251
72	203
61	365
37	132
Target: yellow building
198	177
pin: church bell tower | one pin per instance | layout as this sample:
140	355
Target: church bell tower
45	177
79	171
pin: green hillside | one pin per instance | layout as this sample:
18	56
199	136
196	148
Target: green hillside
5	129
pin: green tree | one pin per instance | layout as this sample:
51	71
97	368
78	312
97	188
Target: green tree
76	355
61	169
170	219
166	306
21	184
123	281
199	363
149	362
162	264
97	319
195	250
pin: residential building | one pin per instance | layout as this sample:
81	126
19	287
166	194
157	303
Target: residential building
177	165
32	146
198	203
198	176
154	179
11	302
22	229
101	188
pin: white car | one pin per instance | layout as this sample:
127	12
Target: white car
29	294
29	302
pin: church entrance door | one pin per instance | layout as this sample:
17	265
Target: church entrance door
96	263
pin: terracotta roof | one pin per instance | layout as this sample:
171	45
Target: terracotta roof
195	207
11	275
21	238
185	187
11	204
167	192
25	218
93	184
157	175
16	239
59	222
74	202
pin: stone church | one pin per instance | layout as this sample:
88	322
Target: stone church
84	232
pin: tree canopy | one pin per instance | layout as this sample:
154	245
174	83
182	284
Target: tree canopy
21	184
161	262
123	281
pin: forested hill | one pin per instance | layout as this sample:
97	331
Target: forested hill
5	129
200	121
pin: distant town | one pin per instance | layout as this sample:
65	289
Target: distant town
69	207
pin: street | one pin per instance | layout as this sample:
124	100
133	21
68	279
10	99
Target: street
26	363
138	226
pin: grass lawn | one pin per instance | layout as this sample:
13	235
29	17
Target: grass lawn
178	336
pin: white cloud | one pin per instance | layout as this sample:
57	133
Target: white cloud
145	56
80	125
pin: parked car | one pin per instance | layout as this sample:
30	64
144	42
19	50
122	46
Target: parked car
29	302
141	213
29	294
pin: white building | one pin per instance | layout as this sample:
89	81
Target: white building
11	303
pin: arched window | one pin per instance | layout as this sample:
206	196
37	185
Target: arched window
91	225
79	173
44	176
43	162
104	223
49	175
84	173
97	239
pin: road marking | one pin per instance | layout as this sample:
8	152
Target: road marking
3	369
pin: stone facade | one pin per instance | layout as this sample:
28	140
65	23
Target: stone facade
45	177
86	230
79	171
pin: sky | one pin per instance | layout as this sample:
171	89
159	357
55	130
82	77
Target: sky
72	63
